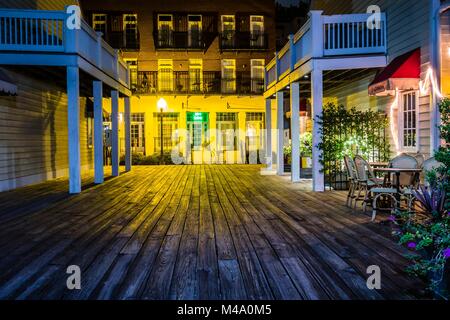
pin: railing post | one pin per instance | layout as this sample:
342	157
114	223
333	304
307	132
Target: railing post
317	33
70	37
293	54
116	64
277	67
99	49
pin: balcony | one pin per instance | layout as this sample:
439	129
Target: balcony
236	40
123	40
46	33
211	82
192	40
332	36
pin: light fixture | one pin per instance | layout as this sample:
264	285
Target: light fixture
162	104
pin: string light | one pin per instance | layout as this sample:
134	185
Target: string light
430	81
394	134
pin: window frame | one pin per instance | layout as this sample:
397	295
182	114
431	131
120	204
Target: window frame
401	122
95	22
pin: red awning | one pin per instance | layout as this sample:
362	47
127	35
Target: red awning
403	73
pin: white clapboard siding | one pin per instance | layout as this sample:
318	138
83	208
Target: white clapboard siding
33	133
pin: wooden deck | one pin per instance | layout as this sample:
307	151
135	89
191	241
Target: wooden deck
193	232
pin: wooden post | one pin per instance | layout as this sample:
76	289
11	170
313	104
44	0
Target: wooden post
98	131
269	134
317	33
73	115
280	132
115	132
127	117
317	106
295	131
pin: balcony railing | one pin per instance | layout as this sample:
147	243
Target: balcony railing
211	82
47	32
123	40
336	35
236	40
168	39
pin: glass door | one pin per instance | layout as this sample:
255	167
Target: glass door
194	31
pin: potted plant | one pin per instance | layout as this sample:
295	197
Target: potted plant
306	146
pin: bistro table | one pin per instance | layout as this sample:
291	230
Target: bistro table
397	172
379	164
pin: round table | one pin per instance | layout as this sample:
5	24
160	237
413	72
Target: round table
397	172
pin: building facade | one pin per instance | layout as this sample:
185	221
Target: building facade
206	61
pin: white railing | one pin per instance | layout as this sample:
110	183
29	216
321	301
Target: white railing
46	31
352	34
32	30
326	36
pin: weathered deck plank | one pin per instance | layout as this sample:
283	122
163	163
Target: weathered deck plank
193	232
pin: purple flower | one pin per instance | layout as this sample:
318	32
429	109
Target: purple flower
446	253
412	245
392	218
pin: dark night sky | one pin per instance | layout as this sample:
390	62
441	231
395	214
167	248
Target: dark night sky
288	2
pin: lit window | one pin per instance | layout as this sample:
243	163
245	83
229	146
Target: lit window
228	31
169	130
130	27
133	64
228	75
99	23
195	31
257	75
195	75
257	31
227	123
408	121
165	75
165	30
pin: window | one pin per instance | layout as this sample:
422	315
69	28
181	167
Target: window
228	30
165	75
257	75
254	126
257	31
99	23
130	28
170	131
133	64
227	131
90	131
138	132
195	75
165	30
228	76
408	120
195	31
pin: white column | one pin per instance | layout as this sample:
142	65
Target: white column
280	132
127	116
115	132
317	106
73	115
98	131
295	131
269	134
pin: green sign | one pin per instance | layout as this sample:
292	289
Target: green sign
197	116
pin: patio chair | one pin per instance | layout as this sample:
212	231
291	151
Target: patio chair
407	180
366	180
429	165
353	180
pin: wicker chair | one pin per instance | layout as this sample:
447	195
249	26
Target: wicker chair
408	180
366	180
353	180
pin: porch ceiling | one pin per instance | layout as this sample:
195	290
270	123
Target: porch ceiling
57	76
